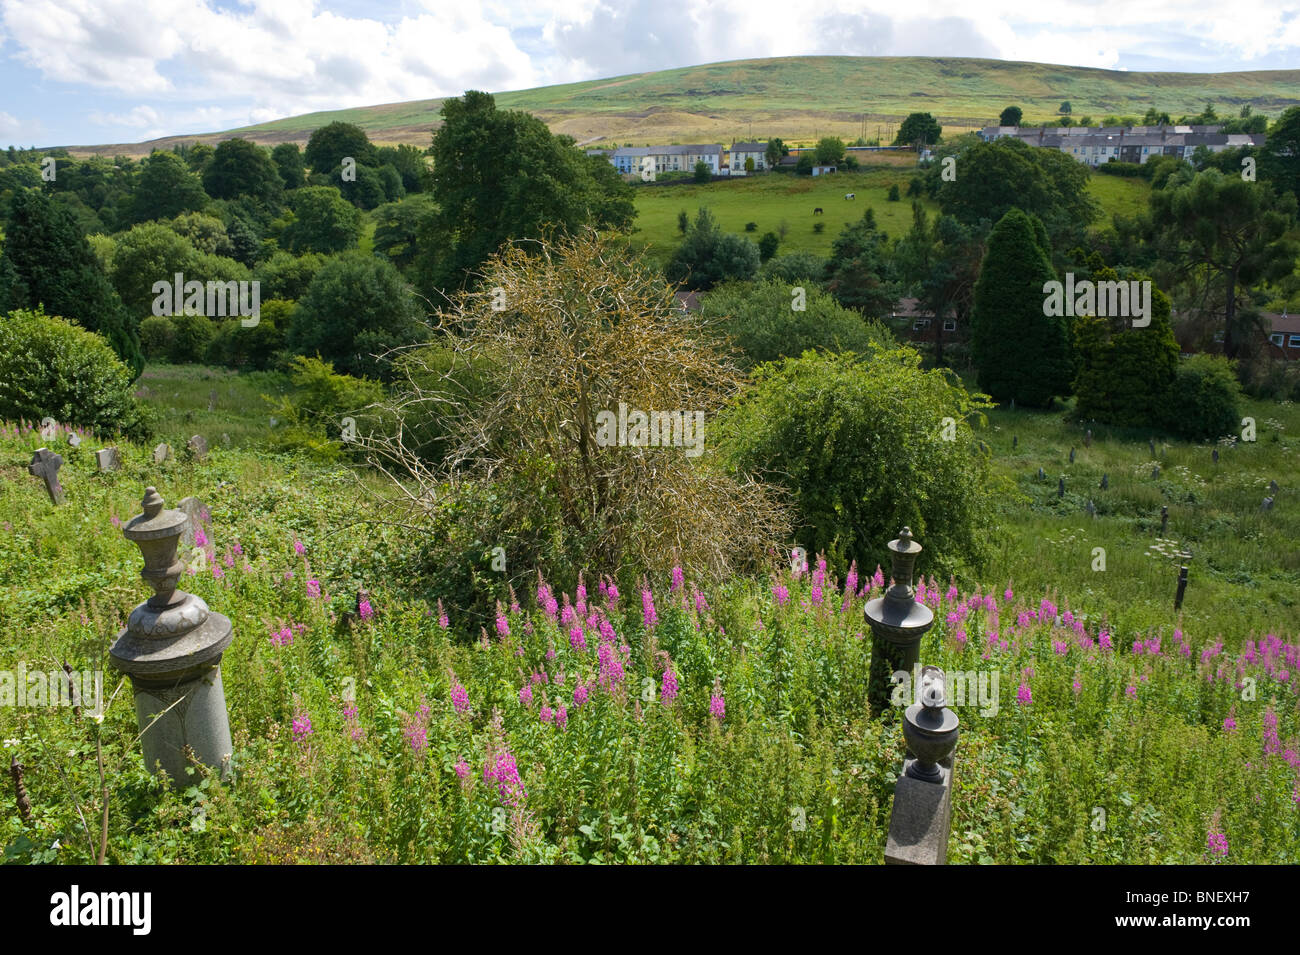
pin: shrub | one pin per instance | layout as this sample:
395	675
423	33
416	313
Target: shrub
51	367
191	336
260	347
751	226
894	195
313	412
708	255
819	227
858	442
287	276
156	335
1205	401
761	320
767	246
795	268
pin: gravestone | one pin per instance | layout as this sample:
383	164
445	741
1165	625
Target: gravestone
1072	455
1182	587
1087	439
225	439
1215	455
161	453
108	459
983	448
274	421
1091	508
1155	471
1272	488
1267	505
74	439
1042	476
1013	404
1060	487
1014	441
198	446
195	516
212	400
1164	519
1151	443
1105	481
45	465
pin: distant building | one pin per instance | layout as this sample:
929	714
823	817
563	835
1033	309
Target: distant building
822	170
628	159
1284	335
739	152
1096	145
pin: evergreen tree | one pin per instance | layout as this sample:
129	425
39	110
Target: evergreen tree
1018	351
857	274
165	189
50	264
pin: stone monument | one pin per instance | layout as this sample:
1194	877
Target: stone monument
897	624
45	465
922	812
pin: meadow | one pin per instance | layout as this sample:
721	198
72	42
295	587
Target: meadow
658	722
774	198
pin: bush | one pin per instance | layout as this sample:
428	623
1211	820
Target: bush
759	317
708	255
894	195
51	367
287	276
819	227
751	226
1205	402
260	347
191	336
156	335
313	413
767	246
795	268
858	441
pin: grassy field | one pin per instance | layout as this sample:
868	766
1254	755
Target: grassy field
759	749
771	199
801	98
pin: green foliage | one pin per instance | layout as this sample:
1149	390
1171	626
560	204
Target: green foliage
1011	116
331	144
50	264
768	243
804	166
1280	162
919	128
795	268
408	162
775	152
857	274
894	194
683	222
149	253
260	347
356	308
1205	401
859	443
708	255
190	338
399	225
760	317
287	276
702	172
1124	374
441	375
156	334
313	412
288	160
165	188
1019	352
367	189
205	233
242	168
49	367
323	221
830	151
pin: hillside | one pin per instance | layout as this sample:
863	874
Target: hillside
800	98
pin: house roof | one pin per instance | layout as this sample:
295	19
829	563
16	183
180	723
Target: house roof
669	150
1284	323
749	147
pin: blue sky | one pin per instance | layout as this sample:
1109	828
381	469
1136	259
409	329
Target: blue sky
79	72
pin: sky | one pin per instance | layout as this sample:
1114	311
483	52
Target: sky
80	72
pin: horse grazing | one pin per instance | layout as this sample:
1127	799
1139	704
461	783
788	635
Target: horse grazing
850	195
817	211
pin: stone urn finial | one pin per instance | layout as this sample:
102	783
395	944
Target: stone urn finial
156	532
930	728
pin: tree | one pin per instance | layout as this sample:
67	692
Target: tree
830	150
1280	162
47	262
759	318
702	172
1007	173
894	195
323	221
165	188
749	164
804	166
286	276
939	264
1066	108
856	442
776	150
331	144
409	163
288	160
356	309
683	222
858	272
707	255
241	168
919	128
399	225
1011	116
366	190
585	331
1019	352
1221	230
500	175
768	243
1125	373
146	254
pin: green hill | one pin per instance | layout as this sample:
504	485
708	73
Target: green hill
799	98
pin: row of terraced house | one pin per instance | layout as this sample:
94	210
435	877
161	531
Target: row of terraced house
1096	145
721	161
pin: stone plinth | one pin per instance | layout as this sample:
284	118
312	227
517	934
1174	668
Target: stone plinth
919	823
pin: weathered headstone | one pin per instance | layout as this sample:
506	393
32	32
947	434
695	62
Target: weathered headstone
1164	519
1087	439
1072	455
1151	443
1042	476
922	810
1272	488
45	465
1015	439
1215	455
198	446
1182	587
212	400
1267	505
1013	404
1060	487
1091	508
195	516
108	459
1105	481
1155	471
161	453
225	439
171	649
74	439
274	421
